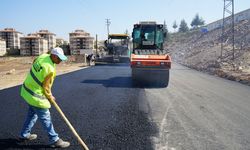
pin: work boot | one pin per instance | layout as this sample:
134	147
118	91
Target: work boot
28	138
60	144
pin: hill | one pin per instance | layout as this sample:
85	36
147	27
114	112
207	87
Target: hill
202	51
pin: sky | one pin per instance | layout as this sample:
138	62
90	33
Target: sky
64	16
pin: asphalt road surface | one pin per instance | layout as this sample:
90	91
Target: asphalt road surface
195	112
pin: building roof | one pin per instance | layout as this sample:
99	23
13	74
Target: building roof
10	30
45	32
79	32
33	36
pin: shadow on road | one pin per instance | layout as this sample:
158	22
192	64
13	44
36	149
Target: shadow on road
113	64
122	82
118	82
12	143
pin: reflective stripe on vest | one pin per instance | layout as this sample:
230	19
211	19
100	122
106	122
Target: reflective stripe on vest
35	78
34	94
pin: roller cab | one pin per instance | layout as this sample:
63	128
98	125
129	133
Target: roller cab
149	62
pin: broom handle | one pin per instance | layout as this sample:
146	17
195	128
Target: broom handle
85	147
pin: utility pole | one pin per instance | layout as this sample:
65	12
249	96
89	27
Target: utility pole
229	9
108	23
96	45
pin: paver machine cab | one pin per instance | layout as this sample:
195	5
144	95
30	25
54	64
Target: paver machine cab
117	46
149	62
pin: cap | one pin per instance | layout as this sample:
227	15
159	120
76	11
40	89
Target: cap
59	52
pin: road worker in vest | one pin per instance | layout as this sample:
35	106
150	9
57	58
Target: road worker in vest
36	91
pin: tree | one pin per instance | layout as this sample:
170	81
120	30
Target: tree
126	32
175	25
183	26
165	28
197	21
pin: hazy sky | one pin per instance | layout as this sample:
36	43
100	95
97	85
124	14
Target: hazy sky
64	16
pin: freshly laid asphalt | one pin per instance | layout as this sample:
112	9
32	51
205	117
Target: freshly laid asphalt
195	112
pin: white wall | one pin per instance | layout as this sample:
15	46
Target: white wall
244	15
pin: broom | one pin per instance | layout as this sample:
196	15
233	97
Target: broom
84	146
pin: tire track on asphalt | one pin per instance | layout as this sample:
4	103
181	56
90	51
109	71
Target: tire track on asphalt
161	141
164	146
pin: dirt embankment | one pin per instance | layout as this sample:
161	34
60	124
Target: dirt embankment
202	51
13	70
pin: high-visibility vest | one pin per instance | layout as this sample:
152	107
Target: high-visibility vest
32	89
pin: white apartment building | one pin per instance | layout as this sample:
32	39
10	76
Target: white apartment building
80	42
12	39
2	47
33	45
64	45
50	37
59	41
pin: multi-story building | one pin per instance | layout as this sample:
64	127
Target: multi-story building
80	42
59	41
64	45
50	37
2	47
33	45
12	39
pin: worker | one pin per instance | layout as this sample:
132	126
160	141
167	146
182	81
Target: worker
90	59
36	91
